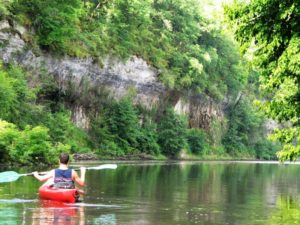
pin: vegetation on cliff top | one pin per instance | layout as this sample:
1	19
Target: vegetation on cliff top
190	51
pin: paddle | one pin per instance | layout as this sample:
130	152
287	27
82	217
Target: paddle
10	176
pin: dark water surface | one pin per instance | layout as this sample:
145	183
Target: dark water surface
183	193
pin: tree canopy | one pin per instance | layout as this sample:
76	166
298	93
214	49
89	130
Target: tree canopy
271	29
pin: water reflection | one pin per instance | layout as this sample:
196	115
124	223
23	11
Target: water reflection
288	211
108	219
9	214
51	212
209	193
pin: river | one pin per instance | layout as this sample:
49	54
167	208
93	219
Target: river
160	193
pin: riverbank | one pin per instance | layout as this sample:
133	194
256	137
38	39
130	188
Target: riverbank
77	157
92	156
142	156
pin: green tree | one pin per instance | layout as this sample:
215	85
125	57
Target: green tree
197	142
246	132
4	4
102	139
8	133
22	109
172	130
15	96
115	130
266	150
271	28
56	22
28	146
32	144
122	121
148	137
8	95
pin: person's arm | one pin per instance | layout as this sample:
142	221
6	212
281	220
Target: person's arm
79	180
45	177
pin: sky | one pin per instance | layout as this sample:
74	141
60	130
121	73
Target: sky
213	8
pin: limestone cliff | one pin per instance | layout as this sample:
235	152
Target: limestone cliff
114	75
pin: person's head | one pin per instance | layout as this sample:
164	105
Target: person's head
64	158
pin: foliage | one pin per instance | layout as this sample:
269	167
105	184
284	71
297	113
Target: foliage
102	138
289	138
122	121
117	131
7	94
245	134
4	4
194	49
172	131
266	150
63	130
19	108
31	145
56	22
190	51
15	96
148	137
196	139
271	28
7	135
236	138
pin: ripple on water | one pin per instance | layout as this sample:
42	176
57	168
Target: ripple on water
94	205
16	200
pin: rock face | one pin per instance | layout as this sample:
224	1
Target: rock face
114	75
201	111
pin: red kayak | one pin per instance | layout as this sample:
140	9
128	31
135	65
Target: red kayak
58	194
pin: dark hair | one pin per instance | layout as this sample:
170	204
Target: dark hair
64	158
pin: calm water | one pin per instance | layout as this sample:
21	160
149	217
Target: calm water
207	193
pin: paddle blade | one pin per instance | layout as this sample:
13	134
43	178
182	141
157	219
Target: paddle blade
9	176
104	166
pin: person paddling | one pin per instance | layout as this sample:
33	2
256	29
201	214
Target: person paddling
63	177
